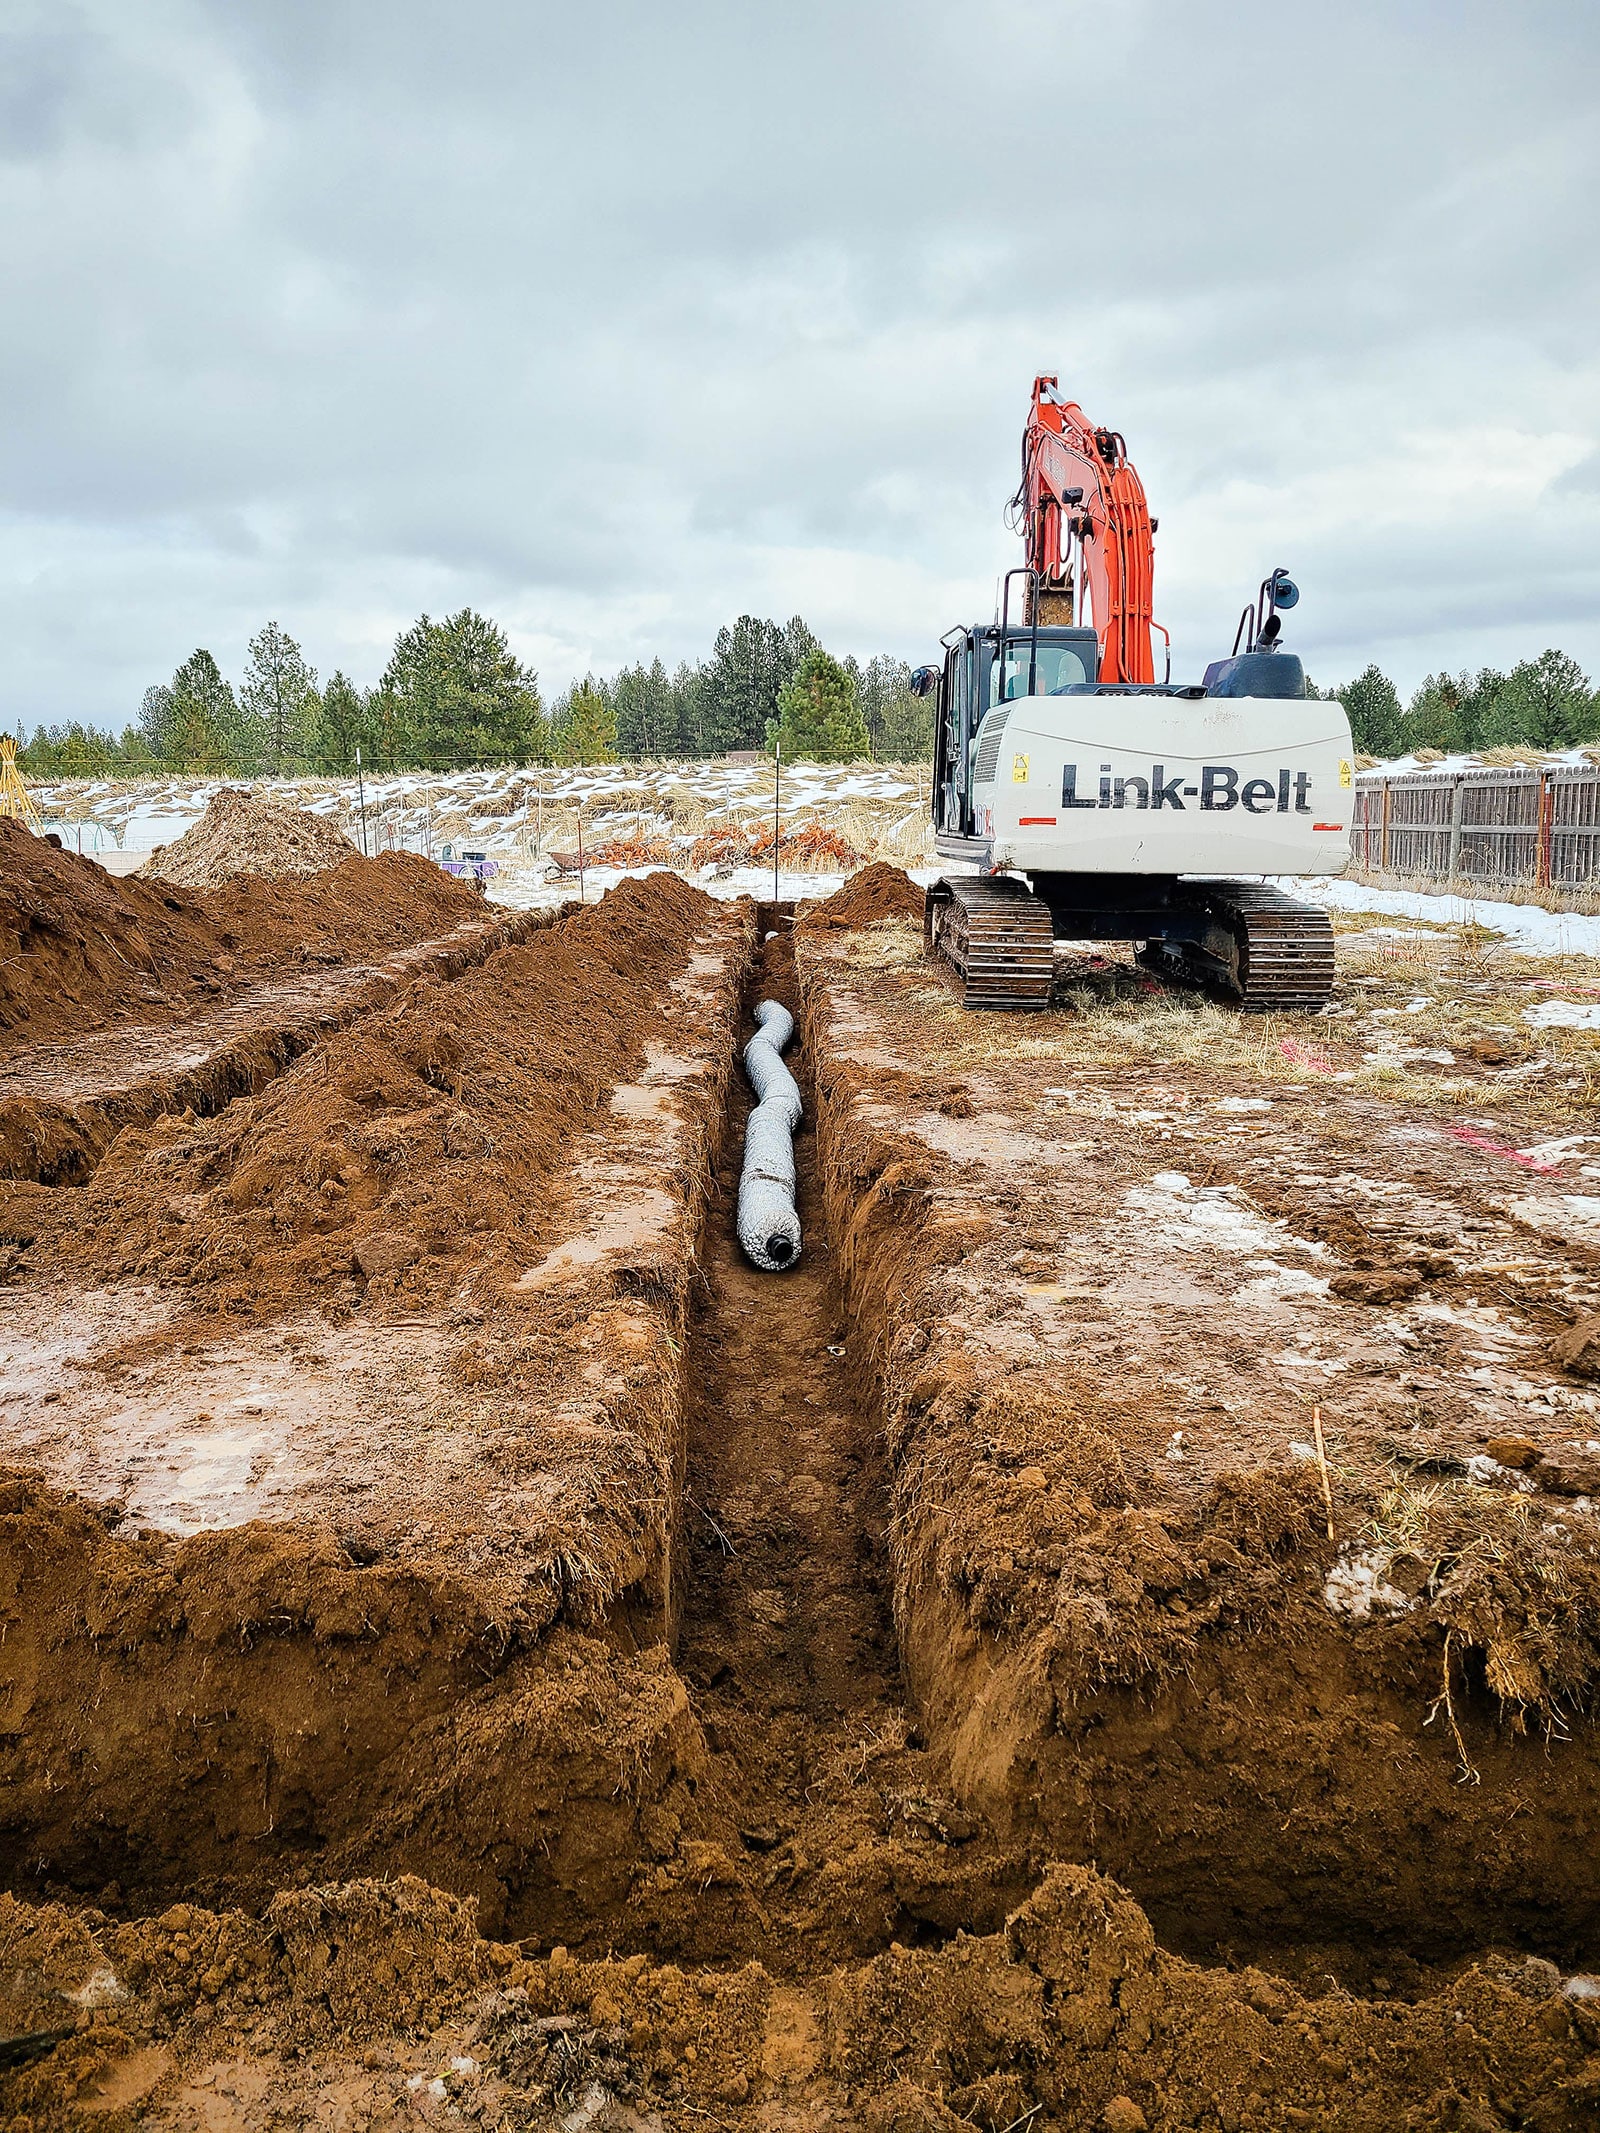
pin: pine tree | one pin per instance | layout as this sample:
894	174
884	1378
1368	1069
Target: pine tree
343	724
749	665
899	725
204	719
404	702
818	718
134	750
584	727
278	701
454	693
1542	703
647	712
795	645
692	696
1377	724
155	719
1434	716
492	699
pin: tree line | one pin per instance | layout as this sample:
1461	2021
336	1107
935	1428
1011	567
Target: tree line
454	694
1545	703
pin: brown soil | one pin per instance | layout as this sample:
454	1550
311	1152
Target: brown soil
80	949
400	1145
62	1103
345	1570
377	2005
878	891
1107	1313
781	1666
240	834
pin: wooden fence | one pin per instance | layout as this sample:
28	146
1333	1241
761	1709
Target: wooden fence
1509	828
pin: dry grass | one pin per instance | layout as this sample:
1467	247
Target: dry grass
1110	1014
1585	902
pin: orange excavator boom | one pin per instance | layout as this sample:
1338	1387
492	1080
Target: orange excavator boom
1078	486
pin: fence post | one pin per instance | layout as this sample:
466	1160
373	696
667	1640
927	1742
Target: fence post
1547	809
1383	832
1458	810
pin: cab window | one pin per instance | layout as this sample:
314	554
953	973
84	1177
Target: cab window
1059	667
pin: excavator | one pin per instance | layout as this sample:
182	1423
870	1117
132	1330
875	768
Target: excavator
1097	803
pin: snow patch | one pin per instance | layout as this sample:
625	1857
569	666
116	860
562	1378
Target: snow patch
1563	1014
1569	1214
1357	1587
1527	929
1212	1218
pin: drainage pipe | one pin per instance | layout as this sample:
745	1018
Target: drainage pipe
769	1223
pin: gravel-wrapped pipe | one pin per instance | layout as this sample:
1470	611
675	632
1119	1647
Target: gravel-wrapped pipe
769	1224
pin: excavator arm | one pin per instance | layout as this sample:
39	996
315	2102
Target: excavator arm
1078	485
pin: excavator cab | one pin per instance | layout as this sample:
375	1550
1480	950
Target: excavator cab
983	669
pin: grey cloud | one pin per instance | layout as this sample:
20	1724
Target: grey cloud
618	321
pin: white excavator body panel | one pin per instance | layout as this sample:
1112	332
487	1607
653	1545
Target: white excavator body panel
1120	783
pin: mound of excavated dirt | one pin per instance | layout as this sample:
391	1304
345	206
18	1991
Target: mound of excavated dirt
239	834
80	948
404	1139
879	891
383	1996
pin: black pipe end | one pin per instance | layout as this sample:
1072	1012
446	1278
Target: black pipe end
780	1248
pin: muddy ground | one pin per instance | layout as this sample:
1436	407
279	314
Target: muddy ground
477	1653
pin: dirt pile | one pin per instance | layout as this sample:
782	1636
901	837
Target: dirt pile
877	892
80	948
403	1143
241	834
381	1999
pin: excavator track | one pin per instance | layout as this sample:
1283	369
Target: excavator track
1262	949
995	936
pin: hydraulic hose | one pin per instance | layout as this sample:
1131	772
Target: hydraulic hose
769	1224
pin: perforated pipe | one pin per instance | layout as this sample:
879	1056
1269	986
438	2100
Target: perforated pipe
769	1224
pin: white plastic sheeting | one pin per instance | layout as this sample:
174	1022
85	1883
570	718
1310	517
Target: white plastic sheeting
769	1223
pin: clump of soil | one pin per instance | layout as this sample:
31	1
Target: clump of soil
387	1150
879	891
384	1996
240	834
80	948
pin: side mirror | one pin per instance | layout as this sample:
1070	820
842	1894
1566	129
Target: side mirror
1285	592
924	680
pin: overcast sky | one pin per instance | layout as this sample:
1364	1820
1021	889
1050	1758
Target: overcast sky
615	321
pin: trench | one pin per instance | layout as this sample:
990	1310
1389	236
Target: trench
787	1641
59	1113
801	1809
785	1630
761	1758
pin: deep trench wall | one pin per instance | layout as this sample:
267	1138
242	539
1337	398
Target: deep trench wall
58	1141
213	1712
1172	1701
